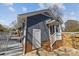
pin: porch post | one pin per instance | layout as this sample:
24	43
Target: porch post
55	31
60	32
60	28
24	39
50	38
55	28
49	30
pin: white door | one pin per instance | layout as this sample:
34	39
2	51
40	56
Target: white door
36	41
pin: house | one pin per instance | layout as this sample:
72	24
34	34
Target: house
41	29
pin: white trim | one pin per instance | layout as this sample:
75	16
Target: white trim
50	21
24	40
55	31
49	30
36	40
60	28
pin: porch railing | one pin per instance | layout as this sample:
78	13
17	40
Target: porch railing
52	40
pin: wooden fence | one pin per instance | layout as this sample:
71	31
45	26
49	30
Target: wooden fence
4	38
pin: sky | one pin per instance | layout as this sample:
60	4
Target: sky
9	11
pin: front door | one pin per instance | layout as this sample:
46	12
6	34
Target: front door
36	38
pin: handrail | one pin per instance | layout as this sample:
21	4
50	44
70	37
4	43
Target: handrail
53	34
52	40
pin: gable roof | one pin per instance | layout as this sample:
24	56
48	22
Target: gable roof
22	17
35	12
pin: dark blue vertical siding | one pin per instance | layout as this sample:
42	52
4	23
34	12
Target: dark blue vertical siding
33	20
37	22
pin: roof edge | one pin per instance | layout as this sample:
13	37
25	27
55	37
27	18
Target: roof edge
33	12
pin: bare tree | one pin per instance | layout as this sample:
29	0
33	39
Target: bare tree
56	10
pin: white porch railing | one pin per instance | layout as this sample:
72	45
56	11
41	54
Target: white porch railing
52	39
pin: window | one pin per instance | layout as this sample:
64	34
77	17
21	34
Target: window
52	30
57	28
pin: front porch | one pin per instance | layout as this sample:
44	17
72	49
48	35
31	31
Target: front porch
55	30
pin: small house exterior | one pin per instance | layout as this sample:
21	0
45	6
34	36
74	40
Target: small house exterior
41	29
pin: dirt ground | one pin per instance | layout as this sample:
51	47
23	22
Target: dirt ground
70	39
62	51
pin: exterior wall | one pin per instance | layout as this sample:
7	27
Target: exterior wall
38	24
42	27
38	21
44	32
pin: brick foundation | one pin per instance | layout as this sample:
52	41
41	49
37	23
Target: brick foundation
45	45
28	47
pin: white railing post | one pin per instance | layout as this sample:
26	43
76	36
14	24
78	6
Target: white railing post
60	28
55	33
49	30
60	31
50	37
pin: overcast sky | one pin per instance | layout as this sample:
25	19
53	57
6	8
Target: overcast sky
9	11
